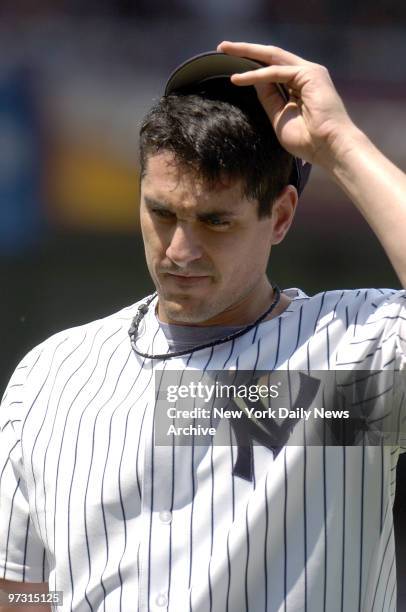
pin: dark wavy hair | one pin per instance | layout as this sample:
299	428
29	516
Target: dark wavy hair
219	130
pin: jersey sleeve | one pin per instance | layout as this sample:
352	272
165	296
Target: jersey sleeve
400	363
22	554
390	317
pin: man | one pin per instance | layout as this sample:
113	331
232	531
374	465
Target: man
92	501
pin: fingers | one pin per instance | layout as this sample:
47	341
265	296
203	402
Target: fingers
263	53
269	74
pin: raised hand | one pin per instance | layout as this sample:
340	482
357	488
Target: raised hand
313	123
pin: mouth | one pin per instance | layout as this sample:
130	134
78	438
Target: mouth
187	279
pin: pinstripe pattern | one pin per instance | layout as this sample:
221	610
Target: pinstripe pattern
344	511
88	501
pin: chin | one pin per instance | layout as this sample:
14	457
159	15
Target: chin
184	311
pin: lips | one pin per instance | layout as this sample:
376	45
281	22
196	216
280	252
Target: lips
188	275
187	279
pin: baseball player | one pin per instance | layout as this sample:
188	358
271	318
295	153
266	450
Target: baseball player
95	507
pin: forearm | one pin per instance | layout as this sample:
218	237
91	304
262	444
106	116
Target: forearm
377	188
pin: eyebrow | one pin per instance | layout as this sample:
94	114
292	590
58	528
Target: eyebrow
161	205
151	202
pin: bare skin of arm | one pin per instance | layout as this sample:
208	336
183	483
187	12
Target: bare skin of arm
10	586
315	126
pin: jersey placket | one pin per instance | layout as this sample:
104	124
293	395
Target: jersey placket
156	517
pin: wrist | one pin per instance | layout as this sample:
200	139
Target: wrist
343	146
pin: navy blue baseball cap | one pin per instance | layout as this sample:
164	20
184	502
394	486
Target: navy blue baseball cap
207	67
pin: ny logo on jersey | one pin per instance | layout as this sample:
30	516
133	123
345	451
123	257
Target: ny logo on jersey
269	432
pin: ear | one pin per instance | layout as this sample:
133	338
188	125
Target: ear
283	211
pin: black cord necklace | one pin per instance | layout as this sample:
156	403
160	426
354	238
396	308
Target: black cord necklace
143	309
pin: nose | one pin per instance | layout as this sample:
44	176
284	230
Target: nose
184	246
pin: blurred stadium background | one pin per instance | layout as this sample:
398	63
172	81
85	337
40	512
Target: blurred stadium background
77	76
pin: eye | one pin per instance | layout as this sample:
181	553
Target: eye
216	221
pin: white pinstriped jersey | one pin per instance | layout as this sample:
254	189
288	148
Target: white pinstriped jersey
88	502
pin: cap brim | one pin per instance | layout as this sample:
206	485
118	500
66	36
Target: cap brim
207	66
